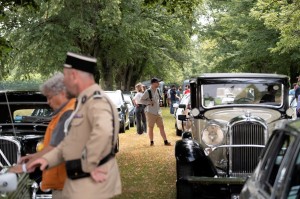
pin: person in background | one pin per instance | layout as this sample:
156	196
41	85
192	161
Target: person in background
293	90
165	92
169	96
298	107
57	99
141	125
178	94
153	112
187	89
91	136
174	98
270	95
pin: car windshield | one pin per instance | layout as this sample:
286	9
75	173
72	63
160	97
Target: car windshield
251	94
32	115
128	99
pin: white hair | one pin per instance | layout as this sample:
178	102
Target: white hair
54	85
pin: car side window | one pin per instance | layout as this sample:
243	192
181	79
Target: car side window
275	160
294	191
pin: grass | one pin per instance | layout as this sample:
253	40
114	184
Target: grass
148	172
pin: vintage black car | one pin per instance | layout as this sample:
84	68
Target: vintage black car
232	118
118	99
277	174
22	129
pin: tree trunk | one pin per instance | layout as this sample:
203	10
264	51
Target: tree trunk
106	76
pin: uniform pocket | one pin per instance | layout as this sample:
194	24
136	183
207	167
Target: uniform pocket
77	121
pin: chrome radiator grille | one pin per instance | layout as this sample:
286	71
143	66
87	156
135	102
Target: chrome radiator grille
10	151
245	159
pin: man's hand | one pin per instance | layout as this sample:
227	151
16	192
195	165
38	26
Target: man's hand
25	159
99	174
40	162
16	169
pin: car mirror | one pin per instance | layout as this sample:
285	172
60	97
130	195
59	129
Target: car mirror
182	106
8	182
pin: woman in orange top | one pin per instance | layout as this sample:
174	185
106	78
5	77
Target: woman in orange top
57	99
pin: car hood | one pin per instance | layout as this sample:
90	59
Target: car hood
269	115
15	118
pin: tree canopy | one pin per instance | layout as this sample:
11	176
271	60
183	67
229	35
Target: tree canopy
245	36
134	40
131	39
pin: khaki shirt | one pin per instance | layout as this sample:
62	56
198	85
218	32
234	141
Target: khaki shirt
89	138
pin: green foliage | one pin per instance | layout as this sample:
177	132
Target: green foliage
242	41
284	17
130	39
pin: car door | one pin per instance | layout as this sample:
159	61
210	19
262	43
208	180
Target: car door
263	182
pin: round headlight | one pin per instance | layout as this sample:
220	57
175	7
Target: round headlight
289	112
195	112
212	135
39	146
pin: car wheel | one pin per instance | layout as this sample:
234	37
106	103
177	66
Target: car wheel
184	190
178	132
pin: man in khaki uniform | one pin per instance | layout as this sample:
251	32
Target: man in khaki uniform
91	134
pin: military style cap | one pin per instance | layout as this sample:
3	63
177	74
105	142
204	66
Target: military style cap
80	62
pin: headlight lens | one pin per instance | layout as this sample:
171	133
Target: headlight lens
195	112
39	146
212	135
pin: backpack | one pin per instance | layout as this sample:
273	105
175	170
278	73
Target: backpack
150	94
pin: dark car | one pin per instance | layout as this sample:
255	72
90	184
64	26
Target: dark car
118	98
277	175
22	130
131	108
230	127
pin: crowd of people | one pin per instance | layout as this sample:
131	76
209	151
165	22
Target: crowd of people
147	103
78	158
173	95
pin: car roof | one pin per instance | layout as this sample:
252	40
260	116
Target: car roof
242	75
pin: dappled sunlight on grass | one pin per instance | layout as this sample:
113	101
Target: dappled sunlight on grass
148	172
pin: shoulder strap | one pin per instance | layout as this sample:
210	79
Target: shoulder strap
150	94
159	94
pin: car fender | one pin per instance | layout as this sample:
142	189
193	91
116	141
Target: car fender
189	151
